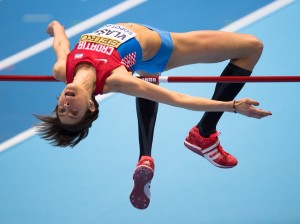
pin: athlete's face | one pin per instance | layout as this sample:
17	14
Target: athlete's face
73	104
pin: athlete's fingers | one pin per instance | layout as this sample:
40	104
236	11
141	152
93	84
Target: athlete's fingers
259	113
247	107
252	102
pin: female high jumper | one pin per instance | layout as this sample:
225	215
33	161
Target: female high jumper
104	61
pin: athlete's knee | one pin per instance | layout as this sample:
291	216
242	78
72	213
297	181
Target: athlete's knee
256	46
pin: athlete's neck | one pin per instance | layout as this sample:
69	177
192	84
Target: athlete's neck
85	76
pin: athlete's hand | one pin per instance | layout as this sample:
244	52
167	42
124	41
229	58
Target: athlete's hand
247	107
50	28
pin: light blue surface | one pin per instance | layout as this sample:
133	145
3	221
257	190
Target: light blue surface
91	184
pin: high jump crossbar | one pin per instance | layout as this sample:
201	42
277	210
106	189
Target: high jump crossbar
169	79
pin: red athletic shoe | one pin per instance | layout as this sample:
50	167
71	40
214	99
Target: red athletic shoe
209	148
144	172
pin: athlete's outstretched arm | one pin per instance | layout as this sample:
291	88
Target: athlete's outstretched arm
61	46
127	84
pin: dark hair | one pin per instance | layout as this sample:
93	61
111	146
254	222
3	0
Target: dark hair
63	135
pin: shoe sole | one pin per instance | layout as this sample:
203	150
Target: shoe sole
138	198
196	150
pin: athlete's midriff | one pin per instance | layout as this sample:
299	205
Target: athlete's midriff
148	39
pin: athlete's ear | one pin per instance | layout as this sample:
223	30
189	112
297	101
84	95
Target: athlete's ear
92	107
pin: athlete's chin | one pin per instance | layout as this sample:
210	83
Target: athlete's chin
72	88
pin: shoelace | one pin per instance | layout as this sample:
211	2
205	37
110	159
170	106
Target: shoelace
220	148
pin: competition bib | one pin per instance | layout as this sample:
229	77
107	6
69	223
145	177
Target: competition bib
109	35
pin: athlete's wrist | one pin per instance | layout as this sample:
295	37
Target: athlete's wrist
230	106
234	107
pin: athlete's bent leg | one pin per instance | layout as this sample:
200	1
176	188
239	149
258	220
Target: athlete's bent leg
243	51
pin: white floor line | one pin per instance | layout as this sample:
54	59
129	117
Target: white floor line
17	139
239	24
256	15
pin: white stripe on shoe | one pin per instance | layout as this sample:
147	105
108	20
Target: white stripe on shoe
209	154
209	151
211	147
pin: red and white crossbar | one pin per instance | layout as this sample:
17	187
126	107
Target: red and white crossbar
213	79
169	79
